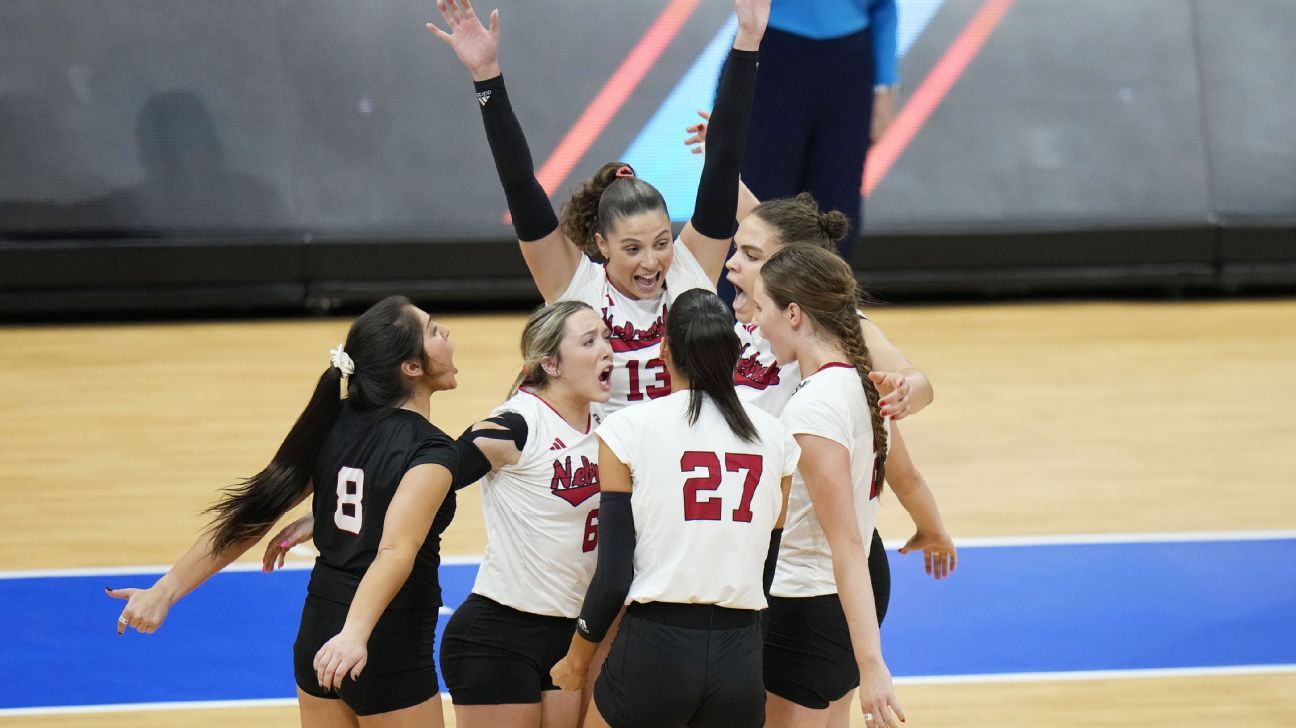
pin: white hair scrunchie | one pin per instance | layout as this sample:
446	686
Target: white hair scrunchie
342	360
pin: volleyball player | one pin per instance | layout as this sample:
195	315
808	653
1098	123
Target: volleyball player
380	474
540	501
616	217
694	488
823	631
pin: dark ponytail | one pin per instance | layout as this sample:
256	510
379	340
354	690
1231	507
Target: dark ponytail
614	192
378	342
704	348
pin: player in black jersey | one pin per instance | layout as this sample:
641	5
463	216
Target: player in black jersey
380	474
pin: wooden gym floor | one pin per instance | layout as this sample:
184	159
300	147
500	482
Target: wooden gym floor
1049	419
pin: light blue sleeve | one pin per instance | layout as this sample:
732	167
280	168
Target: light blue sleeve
884	21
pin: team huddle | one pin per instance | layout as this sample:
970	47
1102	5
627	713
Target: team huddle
680	507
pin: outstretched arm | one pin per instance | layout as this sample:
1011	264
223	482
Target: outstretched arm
550	256
709	233
147	609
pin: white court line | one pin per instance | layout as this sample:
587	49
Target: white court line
917	680
1080	539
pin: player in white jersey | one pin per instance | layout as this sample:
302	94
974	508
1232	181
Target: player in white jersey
617	219
694	488
805	305
540	501
763	231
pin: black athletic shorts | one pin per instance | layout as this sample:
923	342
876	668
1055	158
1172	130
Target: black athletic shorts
492	654
683	664
400	671
808	655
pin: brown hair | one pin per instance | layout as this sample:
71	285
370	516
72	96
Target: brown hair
611	194
799	220
541	338
824	287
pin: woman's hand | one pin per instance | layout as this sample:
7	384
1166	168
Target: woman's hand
568	675
298	532
146	609
940	558
877	697
698	130
345	654
477	47
895	393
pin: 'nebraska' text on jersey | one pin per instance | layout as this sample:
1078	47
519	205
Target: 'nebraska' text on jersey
541	515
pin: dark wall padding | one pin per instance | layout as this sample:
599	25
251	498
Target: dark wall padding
203	154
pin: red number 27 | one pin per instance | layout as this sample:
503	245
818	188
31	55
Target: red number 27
709	509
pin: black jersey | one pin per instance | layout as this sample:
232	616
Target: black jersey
356	474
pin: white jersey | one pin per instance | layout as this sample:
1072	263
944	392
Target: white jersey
637	326
830	403
704	501
758	378
541	515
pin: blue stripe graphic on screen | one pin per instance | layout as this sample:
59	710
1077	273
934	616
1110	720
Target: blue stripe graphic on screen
1006	610
658	153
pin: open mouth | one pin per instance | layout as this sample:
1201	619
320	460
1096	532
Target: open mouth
605	377
647	283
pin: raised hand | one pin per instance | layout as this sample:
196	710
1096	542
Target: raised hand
698	130
476	47
146	609
940	558
753	16
895	393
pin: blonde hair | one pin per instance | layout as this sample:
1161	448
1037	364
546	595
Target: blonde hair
825	288
541	338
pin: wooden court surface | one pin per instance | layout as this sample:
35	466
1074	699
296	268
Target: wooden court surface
1049	419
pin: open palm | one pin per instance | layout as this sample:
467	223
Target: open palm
476	46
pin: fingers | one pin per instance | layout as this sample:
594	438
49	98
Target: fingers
359	667
704	114
327	661
895	705
439	33
494	23
927	562
120	593
446	15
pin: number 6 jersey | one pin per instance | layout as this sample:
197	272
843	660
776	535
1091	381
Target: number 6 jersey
356	474
541	515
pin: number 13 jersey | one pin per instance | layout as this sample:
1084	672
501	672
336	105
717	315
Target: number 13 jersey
637	325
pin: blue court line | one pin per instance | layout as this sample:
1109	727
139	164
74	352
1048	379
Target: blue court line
658	153
1008	609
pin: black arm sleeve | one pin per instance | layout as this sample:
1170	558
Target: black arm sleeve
716	209
473	464
615	570
771	559
533	216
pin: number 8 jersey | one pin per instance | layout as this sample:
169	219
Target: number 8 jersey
357	471
637	326
704	500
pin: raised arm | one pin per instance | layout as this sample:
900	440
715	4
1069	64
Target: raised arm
551	257
409	518
825	465
710	231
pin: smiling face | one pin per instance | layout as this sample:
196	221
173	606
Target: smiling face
639	250
755	243
438	354
584	362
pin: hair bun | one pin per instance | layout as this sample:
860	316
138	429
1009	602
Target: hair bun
834	224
